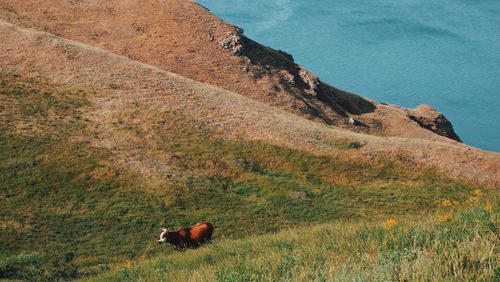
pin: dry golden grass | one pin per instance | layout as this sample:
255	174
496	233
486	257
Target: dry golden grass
184	38
147	96
118	147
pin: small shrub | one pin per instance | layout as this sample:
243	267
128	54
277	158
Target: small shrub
22	266
35	267
346	144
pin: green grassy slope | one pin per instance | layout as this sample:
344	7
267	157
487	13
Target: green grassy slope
60	197
68	210
444	246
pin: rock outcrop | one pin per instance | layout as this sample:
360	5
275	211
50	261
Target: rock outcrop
312	81
234	41
431	119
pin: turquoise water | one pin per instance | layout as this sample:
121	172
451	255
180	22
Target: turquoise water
443	53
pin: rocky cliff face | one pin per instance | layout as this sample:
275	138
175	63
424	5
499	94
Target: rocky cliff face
185	38
296	79
431	119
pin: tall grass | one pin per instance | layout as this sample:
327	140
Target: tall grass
63	206
66	204
465	247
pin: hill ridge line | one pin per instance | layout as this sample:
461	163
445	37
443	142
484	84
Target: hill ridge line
186	80
295	131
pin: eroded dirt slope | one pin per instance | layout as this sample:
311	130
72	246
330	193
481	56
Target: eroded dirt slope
183	37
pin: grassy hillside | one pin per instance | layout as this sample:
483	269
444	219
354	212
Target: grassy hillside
70	210
444	246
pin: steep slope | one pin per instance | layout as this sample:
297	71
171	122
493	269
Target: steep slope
132	88
408	249
97	150
182	37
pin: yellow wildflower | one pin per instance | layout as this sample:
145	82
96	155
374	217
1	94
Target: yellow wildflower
445	218
478	193
446	203
390	223
488	207
473	199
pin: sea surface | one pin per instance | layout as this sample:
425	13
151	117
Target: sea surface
443	53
